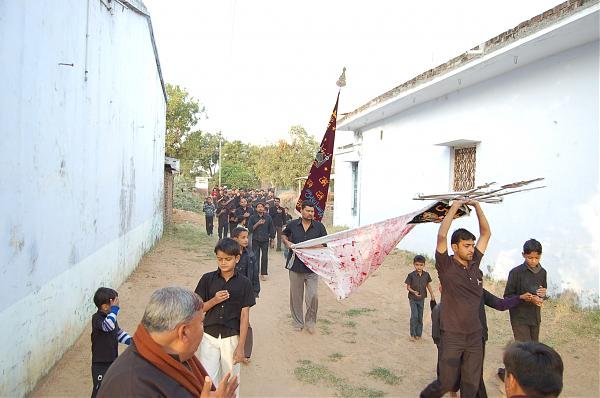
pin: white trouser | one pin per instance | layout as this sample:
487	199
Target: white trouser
216	355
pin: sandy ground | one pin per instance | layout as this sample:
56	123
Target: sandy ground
357	339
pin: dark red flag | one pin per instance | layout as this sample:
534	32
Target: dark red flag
316	186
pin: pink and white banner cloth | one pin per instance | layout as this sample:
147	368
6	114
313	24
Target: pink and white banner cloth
351	256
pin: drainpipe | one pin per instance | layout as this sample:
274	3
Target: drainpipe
87	35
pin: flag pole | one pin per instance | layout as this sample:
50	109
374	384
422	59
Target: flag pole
316	186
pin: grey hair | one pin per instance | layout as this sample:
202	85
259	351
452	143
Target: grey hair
169	307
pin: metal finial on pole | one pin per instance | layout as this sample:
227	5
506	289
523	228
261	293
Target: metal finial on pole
341	82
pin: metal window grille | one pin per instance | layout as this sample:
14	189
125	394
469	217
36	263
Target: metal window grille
464	168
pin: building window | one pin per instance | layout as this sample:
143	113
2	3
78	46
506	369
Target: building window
464	168
354	188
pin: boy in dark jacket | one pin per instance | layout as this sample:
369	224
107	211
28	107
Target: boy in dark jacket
106	334
528	277
247	266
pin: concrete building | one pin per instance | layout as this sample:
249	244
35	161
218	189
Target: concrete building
82	159
525	104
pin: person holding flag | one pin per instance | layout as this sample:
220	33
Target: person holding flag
300	230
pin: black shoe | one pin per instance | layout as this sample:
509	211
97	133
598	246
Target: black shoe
501	374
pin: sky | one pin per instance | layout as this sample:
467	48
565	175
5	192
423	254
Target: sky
262	66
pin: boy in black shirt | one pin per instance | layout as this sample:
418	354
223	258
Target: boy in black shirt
106	334
528	277
227	297
247	266
417	284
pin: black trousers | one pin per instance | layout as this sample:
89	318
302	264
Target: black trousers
232	226
461	358
223	229
261	251
278	231
482	392
98	371
526	332
209	224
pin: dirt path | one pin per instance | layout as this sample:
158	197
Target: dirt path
360	349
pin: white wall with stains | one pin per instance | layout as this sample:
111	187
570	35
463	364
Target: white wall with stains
539	120
81	160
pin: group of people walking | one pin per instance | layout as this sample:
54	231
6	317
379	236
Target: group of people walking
212	323
259	211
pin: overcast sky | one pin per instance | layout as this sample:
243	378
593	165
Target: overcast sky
261	66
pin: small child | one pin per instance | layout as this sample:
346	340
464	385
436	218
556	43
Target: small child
209	210
417	284
106	334
227	297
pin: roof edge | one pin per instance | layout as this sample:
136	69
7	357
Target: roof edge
139	7
522	30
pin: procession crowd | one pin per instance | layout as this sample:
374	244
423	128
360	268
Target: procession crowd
187	341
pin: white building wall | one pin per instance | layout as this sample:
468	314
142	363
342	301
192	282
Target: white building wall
540	120
81	171
344	188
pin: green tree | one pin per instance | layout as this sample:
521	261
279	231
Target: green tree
183	113
239	176
239	165
199	154
281	163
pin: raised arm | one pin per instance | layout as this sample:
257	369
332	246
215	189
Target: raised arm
484	227
442	236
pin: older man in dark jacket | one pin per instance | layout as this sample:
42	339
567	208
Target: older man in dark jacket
161	362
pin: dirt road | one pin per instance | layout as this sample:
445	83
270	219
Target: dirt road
361	347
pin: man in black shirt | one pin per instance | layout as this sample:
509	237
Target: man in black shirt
277	214
461	338
261	225
223	216
296	231
243	213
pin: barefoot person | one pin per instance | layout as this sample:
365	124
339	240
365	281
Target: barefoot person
160	362
296	231
461	339
418	283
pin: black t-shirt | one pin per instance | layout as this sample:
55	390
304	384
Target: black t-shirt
105	345
522	280
461	293
295	233
419	283
239	214
277	214
224	318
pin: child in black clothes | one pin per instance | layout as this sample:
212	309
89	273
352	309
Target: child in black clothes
247	266
106	334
